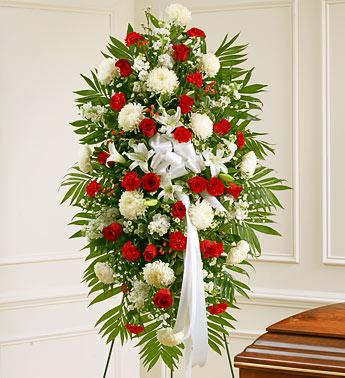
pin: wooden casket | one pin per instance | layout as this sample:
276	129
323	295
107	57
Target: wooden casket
309	344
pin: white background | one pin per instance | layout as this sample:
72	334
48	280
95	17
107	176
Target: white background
297	49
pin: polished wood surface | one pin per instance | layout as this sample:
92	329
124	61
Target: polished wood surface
310	344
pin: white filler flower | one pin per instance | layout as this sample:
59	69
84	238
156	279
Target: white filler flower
162	80
201	125
107	71
248	164
84	159
201	215
179	14
139	293
167	337
158	274
130	116
238	253
132	204
209	64
104	273
160	224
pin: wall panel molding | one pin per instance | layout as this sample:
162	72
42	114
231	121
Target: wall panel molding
328	257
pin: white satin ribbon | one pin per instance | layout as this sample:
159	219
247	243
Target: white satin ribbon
172	157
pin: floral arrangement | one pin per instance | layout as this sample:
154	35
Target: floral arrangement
166	151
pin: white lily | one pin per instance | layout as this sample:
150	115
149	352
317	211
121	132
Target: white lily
216	162
230	147
169	122
140	157
115	156
170	191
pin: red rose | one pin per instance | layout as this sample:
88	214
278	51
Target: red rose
132	38
218	308
112	232
130	252
93	188
163	298
124	66
195	78
215	187
197	184
195	32
186	103
222	127
134	328
179	210
150	182
210	249
148	127
118	101
150	252
234	189
177	241
182	134
241	140
102	157
181	52
131	181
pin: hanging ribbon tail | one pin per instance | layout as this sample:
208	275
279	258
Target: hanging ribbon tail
191	316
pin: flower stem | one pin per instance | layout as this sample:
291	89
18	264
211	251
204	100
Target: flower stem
229	356
171	373
108	359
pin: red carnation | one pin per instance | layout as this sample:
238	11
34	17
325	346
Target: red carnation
218	308
186	103
195	78
112	232
150	182
197	184
210	249
179	210
181	52
234	189
215	187
130	252
124	66
163	298
102	157
182	134
241	141
93	188
148	127
131	181
150	252
222	127
195	32
118	101
177	241
134	328
133	38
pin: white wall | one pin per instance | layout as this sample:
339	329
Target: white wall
46	328
296	48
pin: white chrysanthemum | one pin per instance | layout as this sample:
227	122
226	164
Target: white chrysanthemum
248	164
179	14
132	204
162	80
209	64
84	162
201	125
159	224
167	337
93	113
201	215
104	273
238	253
130	116
139	293
158	274
107	71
